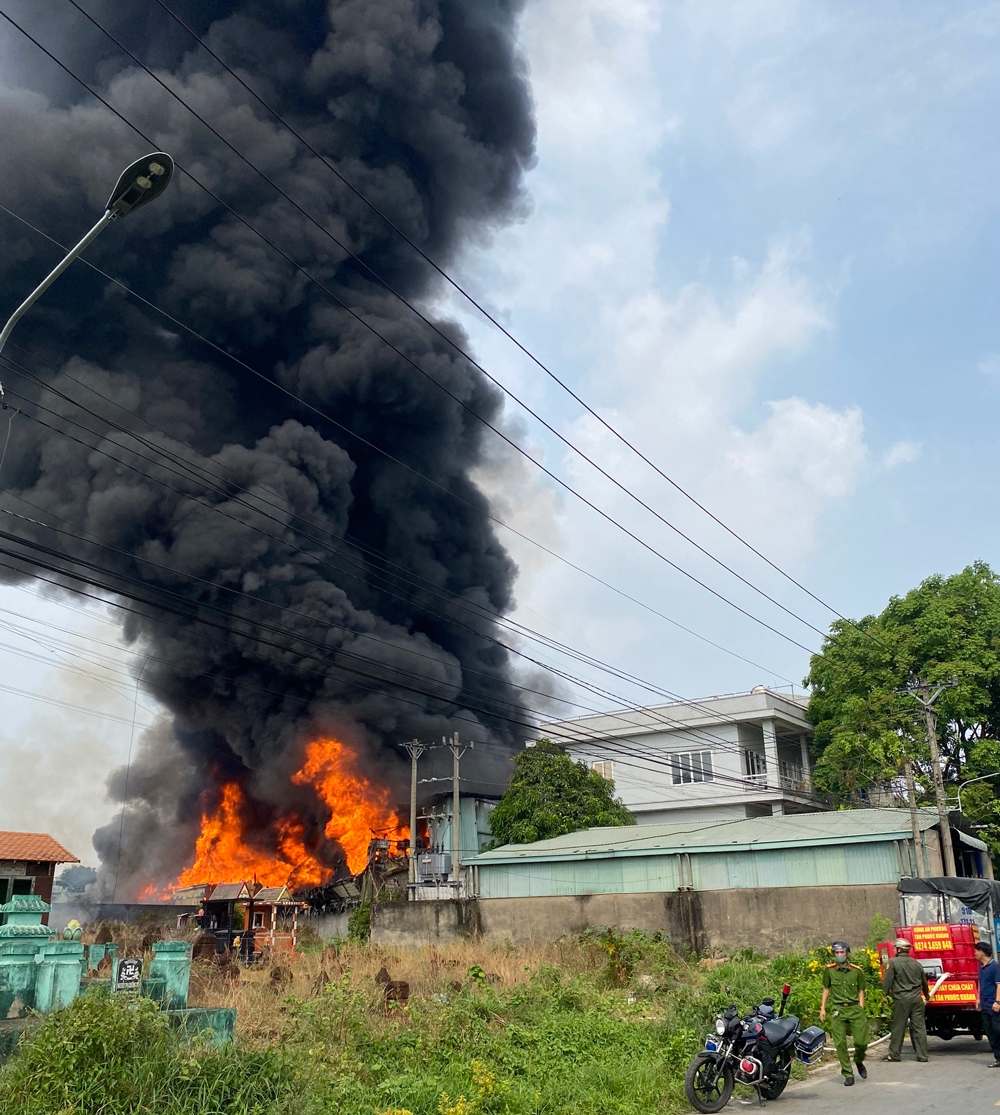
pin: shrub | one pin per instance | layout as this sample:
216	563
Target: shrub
359	924
117	1056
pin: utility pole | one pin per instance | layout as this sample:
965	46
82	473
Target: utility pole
415	749
927	694
911	794
457	751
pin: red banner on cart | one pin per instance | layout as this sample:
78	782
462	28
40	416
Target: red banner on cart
932	938
959	992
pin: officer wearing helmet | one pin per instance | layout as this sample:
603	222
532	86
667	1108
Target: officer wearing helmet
844	992
906	981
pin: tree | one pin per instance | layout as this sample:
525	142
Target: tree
76	879
550	795
948	628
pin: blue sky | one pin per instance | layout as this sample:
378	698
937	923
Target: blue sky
761	238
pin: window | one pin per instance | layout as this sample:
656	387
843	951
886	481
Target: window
605	768
753	761
691	766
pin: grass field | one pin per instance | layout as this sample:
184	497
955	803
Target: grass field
602	1024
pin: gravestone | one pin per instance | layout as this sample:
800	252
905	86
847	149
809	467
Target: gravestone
20	939
127	974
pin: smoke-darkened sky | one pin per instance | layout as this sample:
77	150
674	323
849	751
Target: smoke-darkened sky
285	577
759	237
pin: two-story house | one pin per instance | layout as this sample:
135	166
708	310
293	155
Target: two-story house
721	758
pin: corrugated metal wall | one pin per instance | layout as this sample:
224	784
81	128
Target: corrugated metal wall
872	862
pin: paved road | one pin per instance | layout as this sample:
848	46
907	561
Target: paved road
955	1080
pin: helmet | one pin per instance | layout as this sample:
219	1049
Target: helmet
841	946
902	943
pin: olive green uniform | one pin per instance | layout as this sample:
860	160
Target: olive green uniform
904	980
845	1013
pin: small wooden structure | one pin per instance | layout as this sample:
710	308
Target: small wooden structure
245	917
275	919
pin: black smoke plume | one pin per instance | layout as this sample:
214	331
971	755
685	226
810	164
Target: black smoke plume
356	581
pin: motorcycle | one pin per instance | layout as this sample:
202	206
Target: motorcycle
755	1049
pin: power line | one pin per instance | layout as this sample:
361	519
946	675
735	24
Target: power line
382	452
656	714
616	748
453	344
489	317
403	356
588	686
329	623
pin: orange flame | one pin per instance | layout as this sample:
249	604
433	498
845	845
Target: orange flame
357	809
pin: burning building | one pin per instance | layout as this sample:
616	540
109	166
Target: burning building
243	437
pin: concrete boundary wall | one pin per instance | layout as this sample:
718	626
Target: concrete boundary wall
772	920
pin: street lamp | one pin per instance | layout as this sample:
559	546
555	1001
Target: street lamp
981	778
138	185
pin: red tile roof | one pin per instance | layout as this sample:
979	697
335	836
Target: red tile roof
35	847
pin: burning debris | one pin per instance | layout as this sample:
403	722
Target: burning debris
228	847
306	593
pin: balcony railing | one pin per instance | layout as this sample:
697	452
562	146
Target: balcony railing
790	777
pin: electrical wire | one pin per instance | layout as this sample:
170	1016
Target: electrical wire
214	508
656	714
599	691
455	285
650	761
370	445
454	345
404	357
327	623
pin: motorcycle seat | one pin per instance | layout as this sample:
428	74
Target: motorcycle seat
780	1030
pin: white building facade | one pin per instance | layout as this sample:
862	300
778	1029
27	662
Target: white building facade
721	758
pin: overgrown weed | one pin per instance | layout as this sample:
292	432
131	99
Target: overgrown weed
601	1023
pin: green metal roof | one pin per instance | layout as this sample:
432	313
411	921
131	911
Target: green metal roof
843	826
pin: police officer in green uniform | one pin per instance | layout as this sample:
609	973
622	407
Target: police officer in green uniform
844	992
906	981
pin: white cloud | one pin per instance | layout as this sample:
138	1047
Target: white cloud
990	365
682	368
687	375
901	453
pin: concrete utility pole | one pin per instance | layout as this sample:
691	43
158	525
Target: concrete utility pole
927	694
415	749
457	751
911	794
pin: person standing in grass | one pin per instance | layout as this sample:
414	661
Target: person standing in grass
906	981
989	998
844	990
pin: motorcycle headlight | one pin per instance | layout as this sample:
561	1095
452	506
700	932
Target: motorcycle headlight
720	1026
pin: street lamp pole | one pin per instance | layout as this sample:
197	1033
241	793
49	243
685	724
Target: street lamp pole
969	781
138	185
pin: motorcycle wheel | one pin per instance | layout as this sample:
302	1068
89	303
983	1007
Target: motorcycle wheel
773	1088
707	1088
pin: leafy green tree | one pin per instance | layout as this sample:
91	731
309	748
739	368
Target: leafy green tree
550	795
948	628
